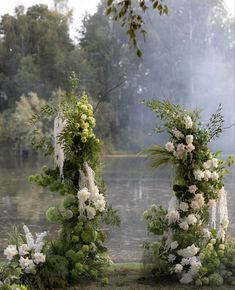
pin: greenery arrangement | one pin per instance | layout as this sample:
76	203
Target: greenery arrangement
192	246
79	251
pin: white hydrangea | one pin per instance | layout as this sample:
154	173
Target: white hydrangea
91	212
174	245
215	162
207	175
27	265
189	139
29	237
191	219
188	252
178	268
100	203
178	135
83	195
39	258
10	252
184	225
184	262
207	164
183	206
214	175
198	174
23	250
188	122
174	216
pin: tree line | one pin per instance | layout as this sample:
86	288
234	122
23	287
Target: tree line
37	55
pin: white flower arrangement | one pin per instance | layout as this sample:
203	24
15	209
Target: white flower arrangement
90	200
29	254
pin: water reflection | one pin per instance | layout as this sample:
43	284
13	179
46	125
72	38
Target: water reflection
131	188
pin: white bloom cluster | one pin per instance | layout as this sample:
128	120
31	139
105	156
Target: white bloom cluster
90	200
206	175
183	206
10	252
195	264
178	135
188	252
173	216
28	255
214	162
188	122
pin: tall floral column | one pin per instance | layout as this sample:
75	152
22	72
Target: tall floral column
192	245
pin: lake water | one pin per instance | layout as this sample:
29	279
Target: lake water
131	188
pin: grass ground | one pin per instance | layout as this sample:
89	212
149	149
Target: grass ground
130	276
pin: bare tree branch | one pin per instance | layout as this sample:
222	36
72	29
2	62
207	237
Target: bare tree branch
121	81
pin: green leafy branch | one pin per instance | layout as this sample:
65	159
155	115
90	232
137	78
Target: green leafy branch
127	13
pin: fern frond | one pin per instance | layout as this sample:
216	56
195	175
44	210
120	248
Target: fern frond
158	155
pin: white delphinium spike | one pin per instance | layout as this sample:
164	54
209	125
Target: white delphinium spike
223	209
173	204
83	181
93	189
39	242
213	213
59	125
29	237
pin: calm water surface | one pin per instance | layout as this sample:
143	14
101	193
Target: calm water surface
131	188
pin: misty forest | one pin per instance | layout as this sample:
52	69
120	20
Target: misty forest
117	143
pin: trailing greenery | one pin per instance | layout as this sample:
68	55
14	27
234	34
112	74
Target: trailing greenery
191	245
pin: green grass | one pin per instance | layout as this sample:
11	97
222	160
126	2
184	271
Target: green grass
131	276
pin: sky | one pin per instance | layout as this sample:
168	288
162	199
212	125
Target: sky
79	8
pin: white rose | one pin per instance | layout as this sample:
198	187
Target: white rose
83	195
39	258
24	262
91	212
178	268
180	151
207	164
169	146
184	262
207	175
214	175
192	188
189	139
10	252
184	225
174	245
198	174
23	249
215	162
174	216
183	206
190	147
188	122
191	219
